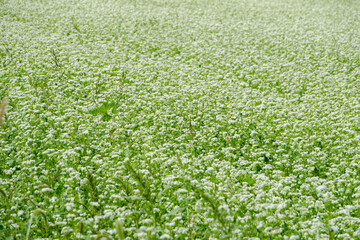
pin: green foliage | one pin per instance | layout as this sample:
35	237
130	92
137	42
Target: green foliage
105	110
135	119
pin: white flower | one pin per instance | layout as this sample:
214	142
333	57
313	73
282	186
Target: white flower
165	236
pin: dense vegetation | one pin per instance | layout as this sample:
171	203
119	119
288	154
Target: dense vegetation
180	119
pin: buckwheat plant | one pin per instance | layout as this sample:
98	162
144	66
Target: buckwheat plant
179	119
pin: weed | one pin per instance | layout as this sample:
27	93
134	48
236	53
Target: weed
119	229
37	212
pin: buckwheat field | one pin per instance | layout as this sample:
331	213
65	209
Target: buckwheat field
179	119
